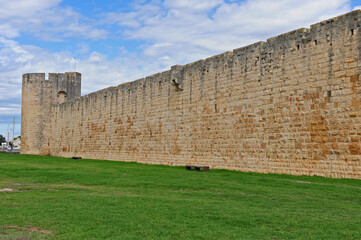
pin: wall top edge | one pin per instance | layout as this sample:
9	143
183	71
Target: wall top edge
41	76
338	18
289	34
280	39
34	74
52	73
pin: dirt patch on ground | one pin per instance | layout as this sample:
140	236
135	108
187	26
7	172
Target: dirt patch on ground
23	238
319	183
36	229
31	229
18	187
16	184
6	190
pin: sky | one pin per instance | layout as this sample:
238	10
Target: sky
115	41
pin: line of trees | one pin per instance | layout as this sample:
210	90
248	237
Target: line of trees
2	139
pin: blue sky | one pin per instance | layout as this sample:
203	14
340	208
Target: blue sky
116	41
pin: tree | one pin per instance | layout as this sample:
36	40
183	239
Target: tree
2	139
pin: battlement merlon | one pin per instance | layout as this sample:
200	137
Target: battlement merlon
60	86
65	86
29	78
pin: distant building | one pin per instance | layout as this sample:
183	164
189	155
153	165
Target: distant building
16	143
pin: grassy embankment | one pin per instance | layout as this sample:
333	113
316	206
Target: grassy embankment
58	198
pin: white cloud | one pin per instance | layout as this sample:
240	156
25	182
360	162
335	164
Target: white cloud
142	13
83	48
184	30
24	8
191	5
10	109
45	20
96	57
7	30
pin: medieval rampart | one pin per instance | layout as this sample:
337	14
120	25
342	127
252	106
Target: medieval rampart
289	105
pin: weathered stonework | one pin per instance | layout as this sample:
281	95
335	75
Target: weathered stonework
289	105
39	96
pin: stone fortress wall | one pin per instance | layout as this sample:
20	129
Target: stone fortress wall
289	105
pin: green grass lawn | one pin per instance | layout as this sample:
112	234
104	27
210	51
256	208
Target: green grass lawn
92	199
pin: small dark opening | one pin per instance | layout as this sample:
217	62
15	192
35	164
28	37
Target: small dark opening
315	42
298	47
256	62
329	95
351	31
